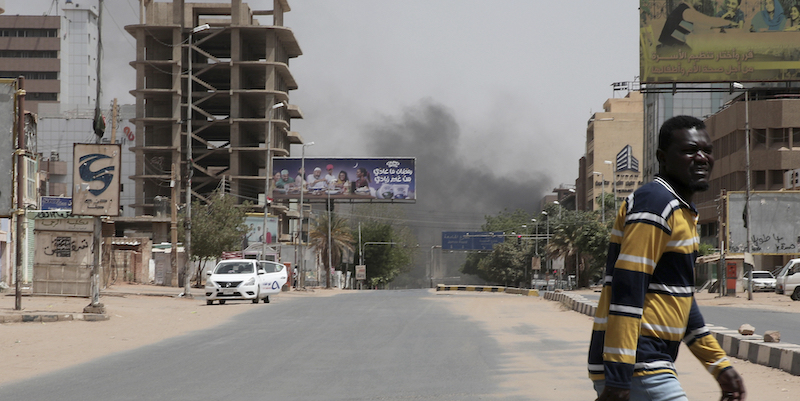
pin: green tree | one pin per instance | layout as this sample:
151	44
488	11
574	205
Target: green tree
217	226
508	262
340	240
505	264
580	234
388	259
385	263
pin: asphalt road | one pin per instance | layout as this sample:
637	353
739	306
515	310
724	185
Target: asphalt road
369	345
762	319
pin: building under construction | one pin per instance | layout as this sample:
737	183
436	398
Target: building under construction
221	73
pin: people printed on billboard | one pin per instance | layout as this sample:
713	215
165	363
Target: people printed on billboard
374	178
719	41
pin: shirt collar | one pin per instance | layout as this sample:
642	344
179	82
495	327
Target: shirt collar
669	188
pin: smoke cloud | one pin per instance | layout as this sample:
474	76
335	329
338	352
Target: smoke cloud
454	191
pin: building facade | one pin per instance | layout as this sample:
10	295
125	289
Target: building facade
216	72
613	151
774	120
57	55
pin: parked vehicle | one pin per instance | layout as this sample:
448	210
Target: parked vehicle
244	279
788	280
762	280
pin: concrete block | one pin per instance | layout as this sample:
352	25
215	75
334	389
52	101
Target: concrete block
49	318
65	317
93	317
31	318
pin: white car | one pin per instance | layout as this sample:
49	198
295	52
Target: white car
244	279
762	280
788	280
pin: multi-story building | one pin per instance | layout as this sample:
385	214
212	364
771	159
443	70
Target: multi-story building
613	151
57	55
216	72
774	119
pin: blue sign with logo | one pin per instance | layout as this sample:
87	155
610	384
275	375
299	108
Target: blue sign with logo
55	203
471	240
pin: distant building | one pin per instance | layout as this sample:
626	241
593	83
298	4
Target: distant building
774	117
237	96
57	55
613	152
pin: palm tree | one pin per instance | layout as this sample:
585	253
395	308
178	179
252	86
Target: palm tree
580	234
340	240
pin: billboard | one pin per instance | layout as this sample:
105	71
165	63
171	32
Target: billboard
382	179
255	229
7	144
718	41
774	222
472	240
96	174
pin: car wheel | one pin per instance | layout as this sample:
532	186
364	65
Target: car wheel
255	300
796	294
266	300
222	302
209	302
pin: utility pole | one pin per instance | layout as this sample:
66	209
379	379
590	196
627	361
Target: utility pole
173	220
20	189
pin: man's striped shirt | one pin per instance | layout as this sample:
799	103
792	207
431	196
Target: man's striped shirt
647	304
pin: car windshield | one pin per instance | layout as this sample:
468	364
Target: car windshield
234	268
761	275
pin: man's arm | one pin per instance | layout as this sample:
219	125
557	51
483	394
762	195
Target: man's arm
706	348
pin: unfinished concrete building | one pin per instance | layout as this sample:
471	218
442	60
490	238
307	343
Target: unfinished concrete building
234	72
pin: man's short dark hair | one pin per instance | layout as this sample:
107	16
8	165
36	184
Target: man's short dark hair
675	124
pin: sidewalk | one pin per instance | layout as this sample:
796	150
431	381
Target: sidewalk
56	308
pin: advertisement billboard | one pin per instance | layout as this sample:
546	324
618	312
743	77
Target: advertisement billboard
255	229
370	179
472	241
96	175
719	41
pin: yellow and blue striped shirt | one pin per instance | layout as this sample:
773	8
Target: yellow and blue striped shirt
647	304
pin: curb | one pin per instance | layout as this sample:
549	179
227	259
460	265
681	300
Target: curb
781	356
53	317
486	288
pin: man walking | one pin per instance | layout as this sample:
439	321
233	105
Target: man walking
647	305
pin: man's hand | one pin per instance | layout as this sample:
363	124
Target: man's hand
614	394
732	386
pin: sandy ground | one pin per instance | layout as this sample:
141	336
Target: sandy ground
29	349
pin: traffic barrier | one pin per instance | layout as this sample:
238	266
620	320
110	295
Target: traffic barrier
488	288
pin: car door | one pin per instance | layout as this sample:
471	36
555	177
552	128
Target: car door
274	277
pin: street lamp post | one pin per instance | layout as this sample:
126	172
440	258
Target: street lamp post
330	266
614	175
268	171
747	177
187	246
302	280
602	194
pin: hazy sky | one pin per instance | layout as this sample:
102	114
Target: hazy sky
491	96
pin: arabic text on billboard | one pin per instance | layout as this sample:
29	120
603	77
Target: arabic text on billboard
386	179
716	41
473	240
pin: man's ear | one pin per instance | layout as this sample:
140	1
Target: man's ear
660	156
